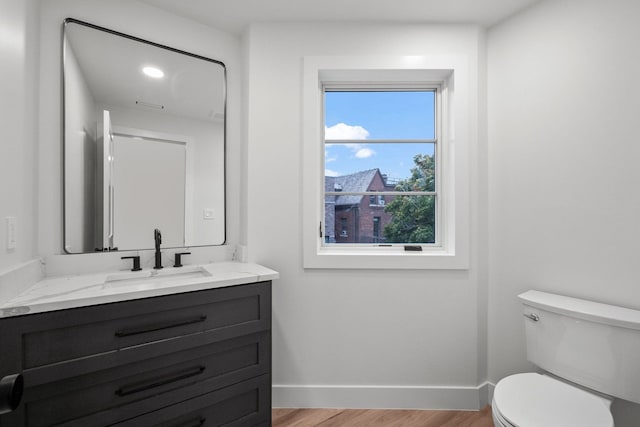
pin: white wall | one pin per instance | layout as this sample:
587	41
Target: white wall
18	120
354	337
149	23
563	164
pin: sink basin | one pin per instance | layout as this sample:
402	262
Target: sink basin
156	277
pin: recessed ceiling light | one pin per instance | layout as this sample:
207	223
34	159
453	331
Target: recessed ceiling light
154	72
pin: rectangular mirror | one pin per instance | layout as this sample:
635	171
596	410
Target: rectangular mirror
144	143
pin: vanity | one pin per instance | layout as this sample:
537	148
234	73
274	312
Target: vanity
186	346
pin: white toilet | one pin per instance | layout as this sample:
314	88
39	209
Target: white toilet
590	353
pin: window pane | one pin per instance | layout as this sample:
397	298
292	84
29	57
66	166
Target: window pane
396	163
364	115
402	219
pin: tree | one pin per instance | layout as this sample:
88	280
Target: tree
413	217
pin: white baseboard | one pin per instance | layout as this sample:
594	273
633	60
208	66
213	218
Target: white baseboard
490	388
381	397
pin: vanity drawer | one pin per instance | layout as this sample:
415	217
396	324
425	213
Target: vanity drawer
77	333
244	404
115	394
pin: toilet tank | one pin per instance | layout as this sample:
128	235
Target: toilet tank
592	344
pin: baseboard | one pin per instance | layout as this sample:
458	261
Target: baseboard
382	397
490	388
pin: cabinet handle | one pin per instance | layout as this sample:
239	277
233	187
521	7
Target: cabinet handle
159	326
193	423
147	385
11	388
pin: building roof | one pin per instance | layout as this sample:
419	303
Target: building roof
355	182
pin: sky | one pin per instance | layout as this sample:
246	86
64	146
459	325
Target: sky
368	116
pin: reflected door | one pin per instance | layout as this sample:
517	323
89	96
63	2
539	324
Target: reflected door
148	191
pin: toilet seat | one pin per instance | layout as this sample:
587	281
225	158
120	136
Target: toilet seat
498	419
534	400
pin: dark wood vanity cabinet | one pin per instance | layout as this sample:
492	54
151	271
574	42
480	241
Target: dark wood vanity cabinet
192	359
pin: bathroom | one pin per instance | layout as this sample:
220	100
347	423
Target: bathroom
552	112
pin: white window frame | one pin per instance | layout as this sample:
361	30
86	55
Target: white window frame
449	73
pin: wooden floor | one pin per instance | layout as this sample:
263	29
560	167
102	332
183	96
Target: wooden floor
380	417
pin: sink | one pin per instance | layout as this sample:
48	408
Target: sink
156	278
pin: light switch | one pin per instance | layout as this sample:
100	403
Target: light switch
10	222
208	214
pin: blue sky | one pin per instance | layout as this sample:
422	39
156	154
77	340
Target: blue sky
366	116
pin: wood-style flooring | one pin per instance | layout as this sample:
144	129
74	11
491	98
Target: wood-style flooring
380	417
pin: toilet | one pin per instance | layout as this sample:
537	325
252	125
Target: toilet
588	353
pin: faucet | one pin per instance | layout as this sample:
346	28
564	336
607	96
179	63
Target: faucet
157	236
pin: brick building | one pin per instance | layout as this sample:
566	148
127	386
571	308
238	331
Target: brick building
357	218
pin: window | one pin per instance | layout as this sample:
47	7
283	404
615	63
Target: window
376	228
382	138
351	164
343	228
376	200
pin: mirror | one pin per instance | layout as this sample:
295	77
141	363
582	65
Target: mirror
144	143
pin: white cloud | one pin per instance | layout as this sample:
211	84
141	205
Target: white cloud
328	159
329	172
344	131
364	153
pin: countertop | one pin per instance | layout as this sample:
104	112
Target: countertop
64	292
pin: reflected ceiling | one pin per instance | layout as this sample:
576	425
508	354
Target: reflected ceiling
115	76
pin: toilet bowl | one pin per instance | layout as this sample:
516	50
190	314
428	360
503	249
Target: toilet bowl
588	350
535	400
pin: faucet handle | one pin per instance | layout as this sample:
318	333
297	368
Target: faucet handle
136	262
178	258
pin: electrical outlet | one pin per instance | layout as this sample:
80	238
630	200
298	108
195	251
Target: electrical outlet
10	222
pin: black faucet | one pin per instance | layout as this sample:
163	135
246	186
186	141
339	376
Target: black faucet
178	258
136	262
157	236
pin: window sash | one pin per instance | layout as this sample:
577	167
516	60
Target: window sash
381	141
342	232
437	194
381	193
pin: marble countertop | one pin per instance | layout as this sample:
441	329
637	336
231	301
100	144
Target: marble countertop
64	292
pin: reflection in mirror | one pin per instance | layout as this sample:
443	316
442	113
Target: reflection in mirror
144	143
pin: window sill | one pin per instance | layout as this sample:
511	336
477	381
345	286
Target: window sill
386	258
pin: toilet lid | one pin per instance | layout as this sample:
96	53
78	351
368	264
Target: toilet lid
532	400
